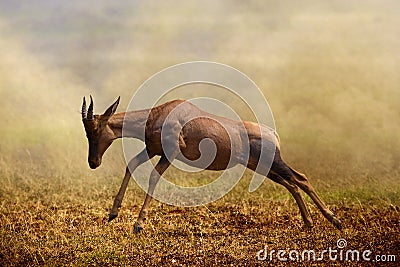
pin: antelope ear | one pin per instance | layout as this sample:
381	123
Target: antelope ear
111	110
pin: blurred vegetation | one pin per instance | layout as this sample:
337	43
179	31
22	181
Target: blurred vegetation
329	70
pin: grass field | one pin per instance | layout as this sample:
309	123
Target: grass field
66	224
328	69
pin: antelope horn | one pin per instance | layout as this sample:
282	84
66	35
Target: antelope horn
84	113
90	110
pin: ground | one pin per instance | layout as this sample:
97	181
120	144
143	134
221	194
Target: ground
50	227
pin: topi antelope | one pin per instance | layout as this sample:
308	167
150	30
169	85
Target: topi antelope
183	141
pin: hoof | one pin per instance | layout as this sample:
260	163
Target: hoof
137	227
112	217
337	223
308	225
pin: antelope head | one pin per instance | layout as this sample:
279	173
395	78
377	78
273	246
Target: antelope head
98	132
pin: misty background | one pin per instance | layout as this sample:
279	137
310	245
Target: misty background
329	69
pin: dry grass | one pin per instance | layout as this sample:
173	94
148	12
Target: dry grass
64	224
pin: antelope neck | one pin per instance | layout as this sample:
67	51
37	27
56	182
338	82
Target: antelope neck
129	124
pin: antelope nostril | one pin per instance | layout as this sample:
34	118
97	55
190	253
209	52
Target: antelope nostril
93	164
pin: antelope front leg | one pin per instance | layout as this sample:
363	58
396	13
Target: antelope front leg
132	165
160	168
